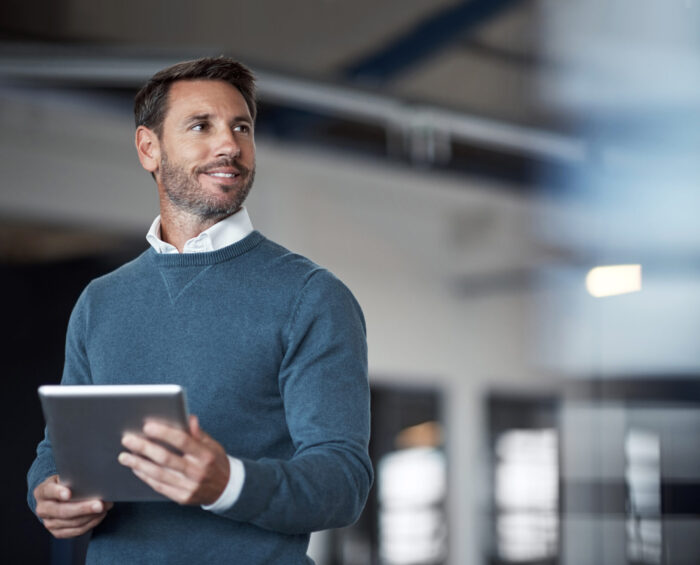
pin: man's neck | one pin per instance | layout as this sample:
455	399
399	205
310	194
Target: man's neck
177	227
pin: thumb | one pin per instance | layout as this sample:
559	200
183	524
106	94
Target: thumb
195	430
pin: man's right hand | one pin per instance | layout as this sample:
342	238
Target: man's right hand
63	517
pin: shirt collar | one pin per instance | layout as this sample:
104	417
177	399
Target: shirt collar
222	234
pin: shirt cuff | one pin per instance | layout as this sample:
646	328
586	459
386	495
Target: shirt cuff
233	489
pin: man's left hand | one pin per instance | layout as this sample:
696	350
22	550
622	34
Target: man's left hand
196	477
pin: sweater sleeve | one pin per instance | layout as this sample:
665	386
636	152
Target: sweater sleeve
324	387
75	371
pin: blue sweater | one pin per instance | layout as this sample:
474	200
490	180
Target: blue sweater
271	351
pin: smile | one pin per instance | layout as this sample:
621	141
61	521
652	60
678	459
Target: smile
223	175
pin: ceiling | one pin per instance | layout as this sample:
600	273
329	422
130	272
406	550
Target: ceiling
443	83
495	59
477	56
499	84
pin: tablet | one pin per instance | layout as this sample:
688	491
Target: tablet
86	424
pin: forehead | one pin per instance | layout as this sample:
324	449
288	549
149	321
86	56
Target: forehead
215	97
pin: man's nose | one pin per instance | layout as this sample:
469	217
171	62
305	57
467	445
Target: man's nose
226	144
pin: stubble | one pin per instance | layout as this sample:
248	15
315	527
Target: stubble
187	194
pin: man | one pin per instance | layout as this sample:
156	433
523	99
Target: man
269	347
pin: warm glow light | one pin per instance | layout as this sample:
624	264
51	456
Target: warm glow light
614	279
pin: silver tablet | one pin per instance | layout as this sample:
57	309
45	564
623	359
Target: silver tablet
86	424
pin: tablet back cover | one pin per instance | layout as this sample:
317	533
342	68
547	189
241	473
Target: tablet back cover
86	424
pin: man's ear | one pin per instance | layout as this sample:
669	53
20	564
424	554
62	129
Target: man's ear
148	148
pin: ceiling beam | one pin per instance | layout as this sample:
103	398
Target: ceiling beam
42	66
425	39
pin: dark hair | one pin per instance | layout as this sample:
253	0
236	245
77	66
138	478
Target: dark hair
151	102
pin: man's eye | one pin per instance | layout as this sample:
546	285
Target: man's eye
199	127
243	128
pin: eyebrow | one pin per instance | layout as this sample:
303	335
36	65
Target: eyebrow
196	117
206	116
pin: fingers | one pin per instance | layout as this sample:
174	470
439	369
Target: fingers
74	530
176	493
172	484
62	523
49	509
61	516
144	468
194	445
198	433
195	430
51	489
196	475
153	451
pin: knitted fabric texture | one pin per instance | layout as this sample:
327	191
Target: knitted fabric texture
271	351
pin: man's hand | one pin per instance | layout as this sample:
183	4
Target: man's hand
61	516
197	477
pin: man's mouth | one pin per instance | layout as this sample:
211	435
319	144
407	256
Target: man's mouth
223	175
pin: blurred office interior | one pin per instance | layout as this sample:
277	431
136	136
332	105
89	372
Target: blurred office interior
509	187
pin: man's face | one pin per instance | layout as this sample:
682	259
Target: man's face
207	148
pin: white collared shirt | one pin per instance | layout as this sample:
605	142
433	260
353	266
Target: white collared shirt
222	234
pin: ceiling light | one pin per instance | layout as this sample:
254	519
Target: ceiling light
612	280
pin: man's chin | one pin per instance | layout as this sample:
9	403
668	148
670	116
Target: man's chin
223	207
209	199
218	212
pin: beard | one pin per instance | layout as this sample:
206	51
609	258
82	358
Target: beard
186	192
